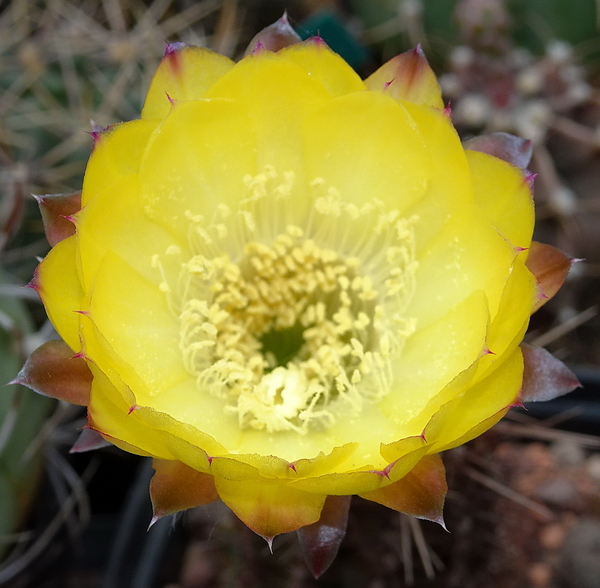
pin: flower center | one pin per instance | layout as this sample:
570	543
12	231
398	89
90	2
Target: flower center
293	333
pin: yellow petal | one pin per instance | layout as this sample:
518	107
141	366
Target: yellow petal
502	192
116	221
184	410
357	482
364	147
370	428
392	452
57	283
343	484
452	391
481	427
186	443
466	255
181	173
324	463
122	376
486	402
117	152
132	314
278	95
322	64
263	466
184	73
449	186
110	415
510	323
433	356
408	77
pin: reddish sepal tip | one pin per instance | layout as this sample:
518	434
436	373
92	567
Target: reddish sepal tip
530	180
259	48
269	541
96	128
172	48
540	294
95	135
33	285
155	519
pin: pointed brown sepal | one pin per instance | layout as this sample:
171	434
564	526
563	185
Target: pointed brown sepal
56	210
420	493
53	370
503	146
274	37
89	440
544	376
550	267
176	486
321	541
409	77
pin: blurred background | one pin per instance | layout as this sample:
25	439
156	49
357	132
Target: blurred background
524	503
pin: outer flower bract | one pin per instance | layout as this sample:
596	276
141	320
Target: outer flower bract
289	283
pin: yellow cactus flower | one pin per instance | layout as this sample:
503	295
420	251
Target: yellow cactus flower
290	284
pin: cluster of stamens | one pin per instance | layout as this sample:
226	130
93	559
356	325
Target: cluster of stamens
293	333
